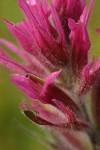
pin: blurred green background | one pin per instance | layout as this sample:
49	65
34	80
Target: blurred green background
14	127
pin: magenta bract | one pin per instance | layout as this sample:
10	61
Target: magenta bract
55	72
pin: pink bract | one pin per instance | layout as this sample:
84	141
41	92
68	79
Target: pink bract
55	72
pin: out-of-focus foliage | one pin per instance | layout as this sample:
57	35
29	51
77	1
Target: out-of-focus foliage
94	23
14	128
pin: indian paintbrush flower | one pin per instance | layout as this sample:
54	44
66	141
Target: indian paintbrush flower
56	73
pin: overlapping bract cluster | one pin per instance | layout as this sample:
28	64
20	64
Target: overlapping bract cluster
54	45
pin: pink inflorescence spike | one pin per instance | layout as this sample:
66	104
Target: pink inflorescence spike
55	72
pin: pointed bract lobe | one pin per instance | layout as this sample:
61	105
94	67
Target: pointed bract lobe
12	47
80	44
49	80
89	75
29	87
12	64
